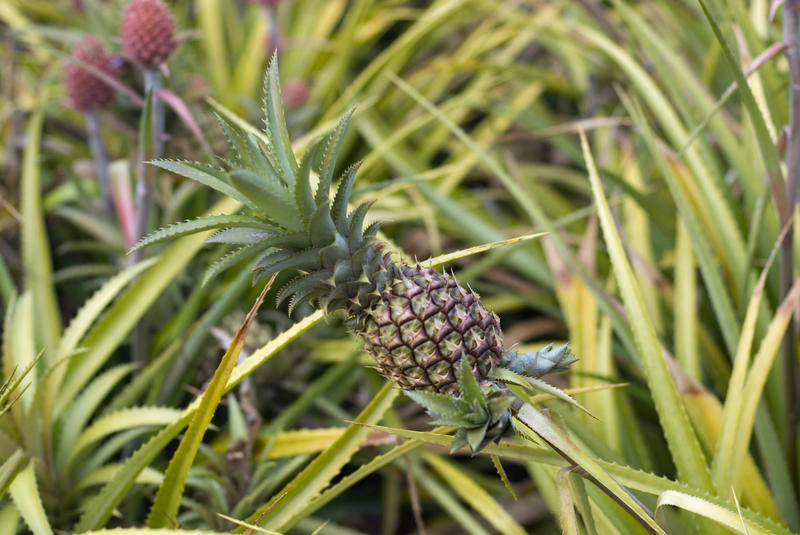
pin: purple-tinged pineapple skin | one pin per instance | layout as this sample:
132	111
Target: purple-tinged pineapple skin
423	325
295	94
85	90
148	31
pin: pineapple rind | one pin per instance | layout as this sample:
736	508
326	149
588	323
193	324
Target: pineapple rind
423	324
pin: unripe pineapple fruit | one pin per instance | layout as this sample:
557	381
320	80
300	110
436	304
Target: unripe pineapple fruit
427	333
85	90
421	327
295	94
148	31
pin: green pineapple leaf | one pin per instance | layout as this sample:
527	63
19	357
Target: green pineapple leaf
246	236
25	494
372	230
499	402
303	260
176	230
327	166
336	250
556	392
234	142
444	409
498	466
259	162
302	284
470	389
9	469
459	440
303	196
531	383
477	438
272	201
230	259
291	240
272	257
275	125
306	294
355	224
321	226
239	236
339	207
208	176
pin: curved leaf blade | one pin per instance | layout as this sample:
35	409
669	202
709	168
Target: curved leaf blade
176	230
36	257
681	438
25	494
475	495
120	421
165	506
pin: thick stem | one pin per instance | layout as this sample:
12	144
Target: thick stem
100	157
143	199
791	21
154	81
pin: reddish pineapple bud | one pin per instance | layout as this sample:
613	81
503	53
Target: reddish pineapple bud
85	90
148	32
295	94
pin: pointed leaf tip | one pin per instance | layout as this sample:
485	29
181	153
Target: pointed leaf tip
470	389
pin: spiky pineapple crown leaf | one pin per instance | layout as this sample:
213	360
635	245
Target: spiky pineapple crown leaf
290	224
481	413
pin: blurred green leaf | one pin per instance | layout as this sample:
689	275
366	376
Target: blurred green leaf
26	498
36	254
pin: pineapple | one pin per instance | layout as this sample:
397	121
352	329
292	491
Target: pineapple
427	333
86	91
148	31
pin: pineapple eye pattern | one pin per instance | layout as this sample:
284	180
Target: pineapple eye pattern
427	333
148	31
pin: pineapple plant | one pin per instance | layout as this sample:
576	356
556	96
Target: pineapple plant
431	336
86	91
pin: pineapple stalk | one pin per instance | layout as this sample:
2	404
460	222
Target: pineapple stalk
148	37
100	157
154	83
435	339
88	93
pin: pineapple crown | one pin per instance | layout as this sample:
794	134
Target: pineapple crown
85	90
289	224
481	414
